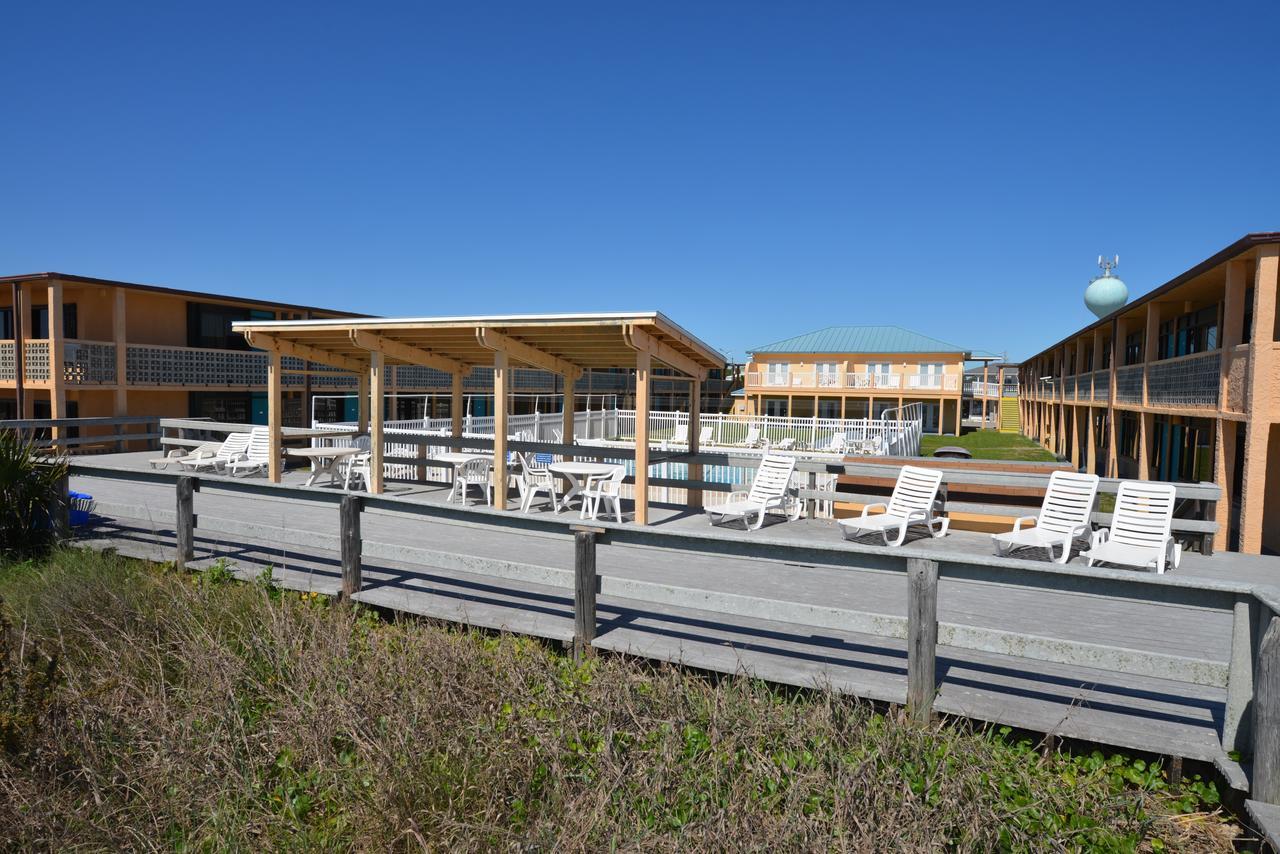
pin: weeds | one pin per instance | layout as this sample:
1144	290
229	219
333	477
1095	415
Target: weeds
220	715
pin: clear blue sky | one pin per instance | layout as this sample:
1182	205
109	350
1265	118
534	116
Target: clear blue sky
753	170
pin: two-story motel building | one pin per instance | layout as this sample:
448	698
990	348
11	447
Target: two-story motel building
80	347
1181	384
858	372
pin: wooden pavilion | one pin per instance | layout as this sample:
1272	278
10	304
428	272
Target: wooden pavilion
565	344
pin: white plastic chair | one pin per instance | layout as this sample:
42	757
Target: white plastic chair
1141	528
839	444
785	444
680	435
752	439
232	450
533	479
768	492
603	487
704	436
1064	516
912	503
471	473
257	456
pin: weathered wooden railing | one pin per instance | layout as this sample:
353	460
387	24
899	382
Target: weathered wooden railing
41	430
1251	718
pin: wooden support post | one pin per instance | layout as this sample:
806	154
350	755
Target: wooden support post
377	390
811	503
57	379
694	497
456	402
60	511
586	584
1175	775
1266	718
567	411
501	409
121	340
922	638
349	519
362	404
275	416
185	524
643	363
1237	732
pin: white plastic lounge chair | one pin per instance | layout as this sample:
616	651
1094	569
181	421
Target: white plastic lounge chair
768	492
257	457
534	478
786	444
607	488
839	444
680	435
704	436
1141	529
1064	516
471	473
183	457
911	503
229	451
752	440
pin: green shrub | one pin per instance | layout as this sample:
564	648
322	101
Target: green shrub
30	483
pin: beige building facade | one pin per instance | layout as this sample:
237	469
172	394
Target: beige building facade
857	372
1181	384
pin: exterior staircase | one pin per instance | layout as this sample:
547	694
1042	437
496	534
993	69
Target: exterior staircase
1010	420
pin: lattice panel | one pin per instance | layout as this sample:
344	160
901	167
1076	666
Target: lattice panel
184	366
1129	384
88	363
35	361
8	362
1185	382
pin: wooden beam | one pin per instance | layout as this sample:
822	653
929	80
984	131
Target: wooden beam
643	364
304	351
567	413
362	403
406	353
694	496
377	387
522	352
640	340
501	388
456	402
275	415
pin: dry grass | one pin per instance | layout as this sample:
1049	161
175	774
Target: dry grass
195	712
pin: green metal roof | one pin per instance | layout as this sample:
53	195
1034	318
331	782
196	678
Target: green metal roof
860	339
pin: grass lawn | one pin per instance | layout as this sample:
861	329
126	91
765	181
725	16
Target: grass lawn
143	708
989	445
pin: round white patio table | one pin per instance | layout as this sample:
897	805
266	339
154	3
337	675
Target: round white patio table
324	460
577	475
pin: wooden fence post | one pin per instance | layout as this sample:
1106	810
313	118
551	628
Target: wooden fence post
185	522
1237	729
349	517
922	638
586	584
1266	718
812	502
60	510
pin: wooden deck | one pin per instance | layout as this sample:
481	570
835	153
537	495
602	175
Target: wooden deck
665	591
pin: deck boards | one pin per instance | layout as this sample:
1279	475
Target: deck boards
465	570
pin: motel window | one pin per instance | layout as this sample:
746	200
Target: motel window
40	321
879	367
1106	357
210	325
829	374
1133	348
1088	360
1194	332
1247	333
775	408
828	409
776	373
1128	438
6	323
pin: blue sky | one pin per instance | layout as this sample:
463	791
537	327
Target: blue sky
753	170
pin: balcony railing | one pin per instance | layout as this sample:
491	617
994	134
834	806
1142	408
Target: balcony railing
1069	385
35	361
1185	381
151	365
872	379
88	363
1129	384
1102	385
8	362
854	380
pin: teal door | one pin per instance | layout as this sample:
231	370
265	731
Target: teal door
258	407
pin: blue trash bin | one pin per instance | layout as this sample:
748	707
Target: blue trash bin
81	505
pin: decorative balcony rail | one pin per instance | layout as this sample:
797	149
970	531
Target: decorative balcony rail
1084	386
35	361
1129	384
8	362
150	365
933	381
1185	381
1102	385
872	379
1069	385
88	363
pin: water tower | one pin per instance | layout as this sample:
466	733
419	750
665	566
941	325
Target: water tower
1106	293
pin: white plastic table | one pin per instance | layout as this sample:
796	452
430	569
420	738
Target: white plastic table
577	474
324	460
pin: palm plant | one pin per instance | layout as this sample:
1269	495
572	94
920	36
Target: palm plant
30	486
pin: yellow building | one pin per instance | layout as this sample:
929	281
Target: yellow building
857	372
1181	384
